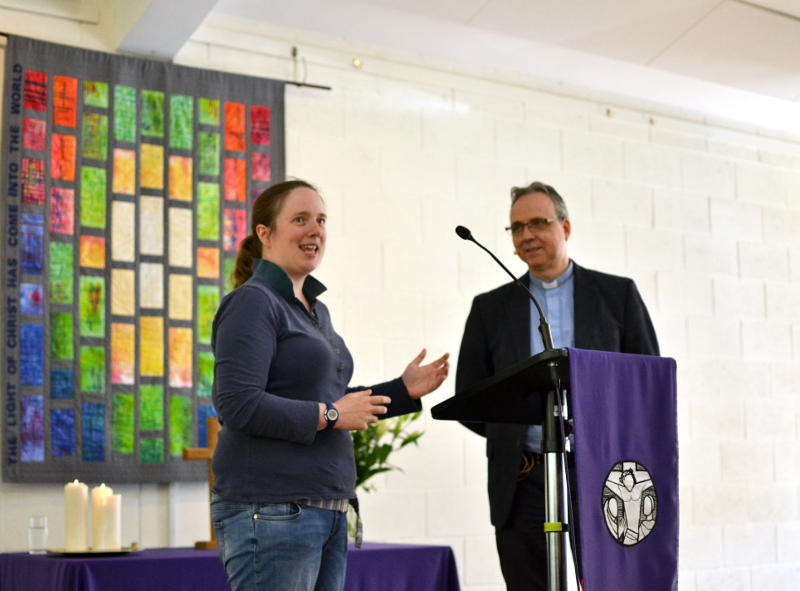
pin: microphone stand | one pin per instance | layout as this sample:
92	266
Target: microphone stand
555	523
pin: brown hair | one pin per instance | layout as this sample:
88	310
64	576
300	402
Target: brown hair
265	211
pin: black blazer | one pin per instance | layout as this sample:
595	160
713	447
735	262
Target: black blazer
609	316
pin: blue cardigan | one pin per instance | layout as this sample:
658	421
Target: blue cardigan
275	361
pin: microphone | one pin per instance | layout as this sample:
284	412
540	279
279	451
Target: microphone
544	327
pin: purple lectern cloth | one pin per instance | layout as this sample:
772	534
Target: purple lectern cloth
626	454
374	567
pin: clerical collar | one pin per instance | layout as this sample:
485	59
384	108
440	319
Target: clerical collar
271	274
558	281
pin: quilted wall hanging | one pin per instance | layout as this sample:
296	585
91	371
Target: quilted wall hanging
126	190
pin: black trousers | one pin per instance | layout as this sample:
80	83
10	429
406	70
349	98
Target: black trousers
521	541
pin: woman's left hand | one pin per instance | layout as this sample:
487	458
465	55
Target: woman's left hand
424	379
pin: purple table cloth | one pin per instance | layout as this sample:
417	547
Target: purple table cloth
384	567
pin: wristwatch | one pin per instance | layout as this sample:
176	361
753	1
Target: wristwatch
331	415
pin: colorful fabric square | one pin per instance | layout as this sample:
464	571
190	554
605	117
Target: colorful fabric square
205	373
31	241
260	167
181	121
208	111
151	285
62	431
180	297
151	407
123	238
235	179
123	292
151	225
207	301
94	140
31	355
65	100
61	336
151	346
92	320
93	431
235	228
208	211
34	134
61	280
122	423
151	450
123	353
35	90
228	267
208	262
62	210
93	252
259	125
32	428
152	171
95	94
180	357
33	181
180	424
180	178
93	197
62	382
180	237
93	369
124	173
152	113
208	145
62	157
235	127
204	411
30	299
124	114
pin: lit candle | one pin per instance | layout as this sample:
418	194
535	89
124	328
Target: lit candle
76	517
106	518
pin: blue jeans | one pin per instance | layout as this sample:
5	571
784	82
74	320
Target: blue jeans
280	546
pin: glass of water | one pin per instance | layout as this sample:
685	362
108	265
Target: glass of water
37	534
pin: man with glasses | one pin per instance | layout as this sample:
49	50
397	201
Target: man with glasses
586	309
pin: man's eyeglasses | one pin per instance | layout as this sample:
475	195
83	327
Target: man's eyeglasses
517	228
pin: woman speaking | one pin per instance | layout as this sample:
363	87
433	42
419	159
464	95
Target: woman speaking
283	467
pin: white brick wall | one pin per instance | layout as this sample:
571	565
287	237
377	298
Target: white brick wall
706	219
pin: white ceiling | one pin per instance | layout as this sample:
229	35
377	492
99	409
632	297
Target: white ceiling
752	45
730	59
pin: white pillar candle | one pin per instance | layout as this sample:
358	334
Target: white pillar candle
105	518
110	522
76	517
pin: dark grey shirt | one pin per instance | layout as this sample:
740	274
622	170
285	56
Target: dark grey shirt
275	361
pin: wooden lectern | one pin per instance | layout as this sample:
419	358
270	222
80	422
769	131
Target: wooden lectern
206	453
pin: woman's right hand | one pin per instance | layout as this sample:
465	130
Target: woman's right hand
356	410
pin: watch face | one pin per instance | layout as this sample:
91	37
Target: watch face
332	414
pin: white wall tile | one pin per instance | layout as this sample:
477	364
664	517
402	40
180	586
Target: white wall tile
592	154
749	544
701	547
679	211
615	202
735	220
652	164
764	261
729	579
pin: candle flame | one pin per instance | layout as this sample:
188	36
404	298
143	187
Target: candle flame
103	485
75	481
